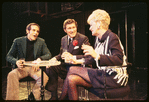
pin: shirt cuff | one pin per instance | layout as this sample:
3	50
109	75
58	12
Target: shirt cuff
40	58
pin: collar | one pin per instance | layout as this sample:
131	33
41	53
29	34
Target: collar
31	41
70	38
104	36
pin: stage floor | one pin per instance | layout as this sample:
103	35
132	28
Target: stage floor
137	84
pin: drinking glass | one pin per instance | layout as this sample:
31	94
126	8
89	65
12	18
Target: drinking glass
64	50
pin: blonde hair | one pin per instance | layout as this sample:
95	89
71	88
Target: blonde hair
100	15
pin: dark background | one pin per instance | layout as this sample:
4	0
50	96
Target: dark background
127	18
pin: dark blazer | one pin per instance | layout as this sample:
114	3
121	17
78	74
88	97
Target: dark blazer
78	51
61	70
116	56
18	50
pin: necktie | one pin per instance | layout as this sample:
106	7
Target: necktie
69	42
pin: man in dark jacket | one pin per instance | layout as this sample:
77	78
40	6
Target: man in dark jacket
70	48
30	48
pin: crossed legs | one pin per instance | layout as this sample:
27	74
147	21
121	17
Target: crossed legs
77	76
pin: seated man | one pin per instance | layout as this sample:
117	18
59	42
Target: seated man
30	48
70	48
108	55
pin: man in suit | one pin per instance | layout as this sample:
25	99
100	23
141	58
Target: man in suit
70	48
30	47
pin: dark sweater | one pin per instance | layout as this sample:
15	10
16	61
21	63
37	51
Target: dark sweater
30	50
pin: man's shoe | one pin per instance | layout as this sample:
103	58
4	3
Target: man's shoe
53	98
54	95
31	97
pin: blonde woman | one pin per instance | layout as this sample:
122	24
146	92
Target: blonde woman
107	55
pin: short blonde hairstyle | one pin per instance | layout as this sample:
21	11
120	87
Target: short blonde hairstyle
100	15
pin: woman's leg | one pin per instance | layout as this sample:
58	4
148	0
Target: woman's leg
80	71
64	90
74	81
75	76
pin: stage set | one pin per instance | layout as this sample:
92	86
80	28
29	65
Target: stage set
128	21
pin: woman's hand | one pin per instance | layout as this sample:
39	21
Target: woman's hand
88	50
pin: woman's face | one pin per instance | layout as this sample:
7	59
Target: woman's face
94	27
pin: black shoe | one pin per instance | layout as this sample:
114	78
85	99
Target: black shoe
31	97
54	95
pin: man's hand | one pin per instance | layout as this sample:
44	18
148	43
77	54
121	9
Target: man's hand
36	67
53	61
75	61
66	55
20	63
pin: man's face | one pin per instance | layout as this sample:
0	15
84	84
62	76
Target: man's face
71	30
33	33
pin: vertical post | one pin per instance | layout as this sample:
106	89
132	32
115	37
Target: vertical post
133	41
105	91
126	34
6	46
28	7
37	6
86	94
42	86
118	30
133	52
46	8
